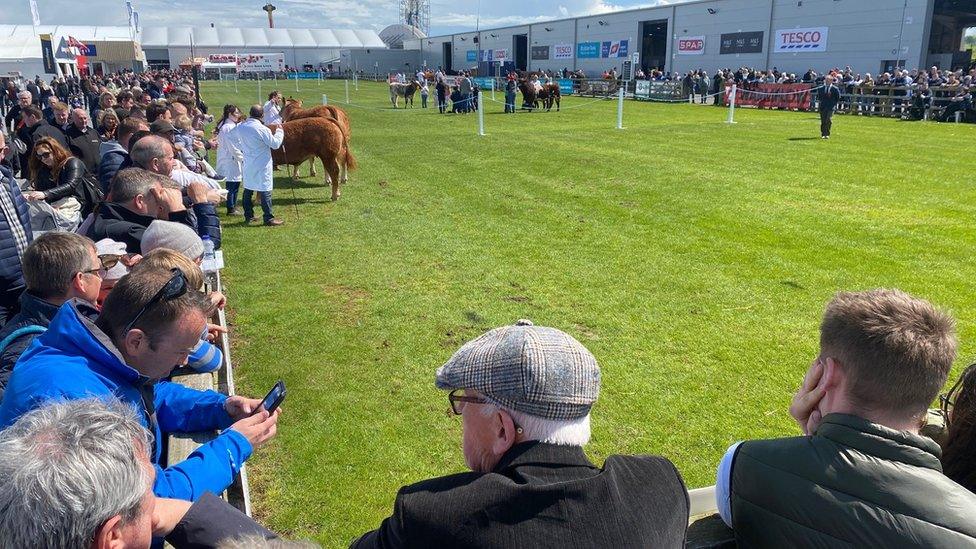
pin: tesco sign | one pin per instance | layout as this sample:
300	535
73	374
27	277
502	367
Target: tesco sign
691	45
801	40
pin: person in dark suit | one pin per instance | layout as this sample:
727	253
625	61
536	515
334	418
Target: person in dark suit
827	98
524	395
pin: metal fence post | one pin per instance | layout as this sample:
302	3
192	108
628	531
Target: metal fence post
731	119
620	108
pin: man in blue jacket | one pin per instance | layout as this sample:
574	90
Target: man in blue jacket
147	327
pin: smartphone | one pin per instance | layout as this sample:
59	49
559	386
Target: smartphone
274	398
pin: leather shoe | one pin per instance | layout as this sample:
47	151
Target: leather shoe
274	222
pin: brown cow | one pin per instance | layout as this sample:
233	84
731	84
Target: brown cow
322	138
293	111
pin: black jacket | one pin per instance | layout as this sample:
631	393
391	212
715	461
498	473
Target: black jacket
121	224
542	495
69	181
828	97
210	521
43	129
84	145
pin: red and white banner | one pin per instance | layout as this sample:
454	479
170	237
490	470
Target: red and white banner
691	45
773	96
251	62
800	40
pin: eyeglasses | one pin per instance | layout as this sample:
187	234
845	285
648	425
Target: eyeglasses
174	288
43	155
97	272
109	260
948	400
458	400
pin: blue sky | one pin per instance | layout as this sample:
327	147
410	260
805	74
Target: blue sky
446	16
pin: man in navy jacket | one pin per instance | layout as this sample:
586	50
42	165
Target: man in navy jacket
147	327
15	235
827	98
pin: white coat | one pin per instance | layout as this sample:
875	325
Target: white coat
256	141
230	159
272	113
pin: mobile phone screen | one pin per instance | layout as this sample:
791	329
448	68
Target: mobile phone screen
274	397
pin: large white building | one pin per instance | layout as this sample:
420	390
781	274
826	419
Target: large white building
164	47
792	35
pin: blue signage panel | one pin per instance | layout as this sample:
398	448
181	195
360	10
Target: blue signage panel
588	50
472	56
565	86
616	48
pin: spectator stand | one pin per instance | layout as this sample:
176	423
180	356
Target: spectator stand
894	101
180	445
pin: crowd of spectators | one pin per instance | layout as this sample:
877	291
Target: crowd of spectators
96	322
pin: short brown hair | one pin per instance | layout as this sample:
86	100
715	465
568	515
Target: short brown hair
52	260
134	291
896	349
59	106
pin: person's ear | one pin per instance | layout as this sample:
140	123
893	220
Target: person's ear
135	342
833	374
505	435
109	534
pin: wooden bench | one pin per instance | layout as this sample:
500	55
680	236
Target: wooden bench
180	445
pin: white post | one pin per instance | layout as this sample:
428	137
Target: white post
296	81
355	80
260	100
235	82
481	116
347	91
493	89
620	109
325	99
731	119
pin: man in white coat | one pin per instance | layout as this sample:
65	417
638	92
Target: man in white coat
272	109
255	141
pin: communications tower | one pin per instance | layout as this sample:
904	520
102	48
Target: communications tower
416	13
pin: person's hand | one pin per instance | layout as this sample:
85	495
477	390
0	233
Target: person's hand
214	330
34	195
259	428
130	260
239	407
197	145
214	196
198	192
169	201
219	300
167	513
807	398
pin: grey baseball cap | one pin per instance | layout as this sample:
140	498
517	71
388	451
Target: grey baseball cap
539	371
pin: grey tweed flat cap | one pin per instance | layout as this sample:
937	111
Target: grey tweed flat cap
535	370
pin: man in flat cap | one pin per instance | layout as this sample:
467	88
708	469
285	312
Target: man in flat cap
524	395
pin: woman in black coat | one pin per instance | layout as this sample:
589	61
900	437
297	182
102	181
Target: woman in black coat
55	174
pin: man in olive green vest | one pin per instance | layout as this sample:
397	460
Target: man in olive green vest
861	476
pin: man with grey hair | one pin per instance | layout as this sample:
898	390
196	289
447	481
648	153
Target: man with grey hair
83	140
75	474
57	267
138	197
524	394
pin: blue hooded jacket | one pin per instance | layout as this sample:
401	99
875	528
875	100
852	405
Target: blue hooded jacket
74	359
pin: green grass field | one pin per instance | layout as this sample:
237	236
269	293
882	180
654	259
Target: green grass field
693	258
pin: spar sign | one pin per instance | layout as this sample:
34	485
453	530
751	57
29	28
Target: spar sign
801	40
691	45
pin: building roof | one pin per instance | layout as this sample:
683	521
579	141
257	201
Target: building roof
20	41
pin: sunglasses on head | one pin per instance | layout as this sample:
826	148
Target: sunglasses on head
43	155
109	260
174	288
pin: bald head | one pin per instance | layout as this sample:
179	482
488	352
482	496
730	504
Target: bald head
153	153
79	117
257	111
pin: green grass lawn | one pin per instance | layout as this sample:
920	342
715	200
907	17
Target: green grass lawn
693	258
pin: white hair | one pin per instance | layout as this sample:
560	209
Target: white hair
572	432
66	468
25	93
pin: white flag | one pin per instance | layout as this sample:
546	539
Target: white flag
34	16
128	10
